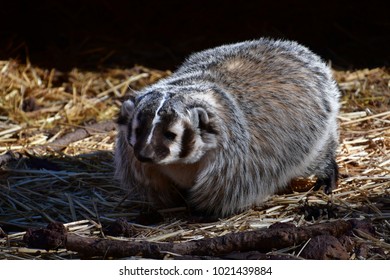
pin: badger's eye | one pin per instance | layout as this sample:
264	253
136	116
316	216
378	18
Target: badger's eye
169	135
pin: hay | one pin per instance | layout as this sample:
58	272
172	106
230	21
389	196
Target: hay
75	185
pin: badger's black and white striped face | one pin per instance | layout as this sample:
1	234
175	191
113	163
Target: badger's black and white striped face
163	130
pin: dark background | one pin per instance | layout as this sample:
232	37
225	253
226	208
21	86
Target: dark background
159	34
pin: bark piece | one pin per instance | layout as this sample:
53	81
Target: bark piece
50	238
120	228
325	247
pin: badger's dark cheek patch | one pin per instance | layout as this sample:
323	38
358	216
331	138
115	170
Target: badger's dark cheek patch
161	152
187	142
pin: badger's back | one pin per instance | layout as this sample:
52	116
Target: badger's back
274	104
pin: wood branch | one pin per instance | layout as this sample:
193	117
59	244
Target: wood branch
260	240
65	140
81	133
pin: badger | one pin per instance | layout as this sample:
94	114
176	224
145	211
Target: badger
232	126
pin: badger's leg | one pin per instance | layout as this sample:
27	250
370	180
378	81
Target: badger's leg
329	178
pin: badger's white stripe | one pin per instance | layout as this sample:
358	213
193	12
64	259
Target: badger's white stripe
175	147
156	118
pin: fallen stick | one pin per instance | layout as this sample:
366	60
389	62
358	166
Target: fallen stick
81	133
259	240
65	140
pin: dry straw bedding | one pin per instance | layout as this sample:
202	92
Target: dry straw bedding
74	185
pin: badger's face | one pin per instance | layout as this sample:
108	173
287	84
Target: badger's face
163	130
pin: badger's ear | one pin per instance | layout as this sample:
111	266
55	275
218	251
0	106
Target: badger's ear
199	117
128	108
126	113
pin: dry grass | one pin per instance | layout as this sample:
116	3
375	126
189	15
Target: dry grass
76	186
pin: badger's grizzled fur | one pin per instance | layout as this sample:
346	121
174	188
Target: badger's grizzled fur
231	126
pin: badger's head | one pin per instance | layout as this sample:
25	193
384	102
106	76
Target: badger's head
164	129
